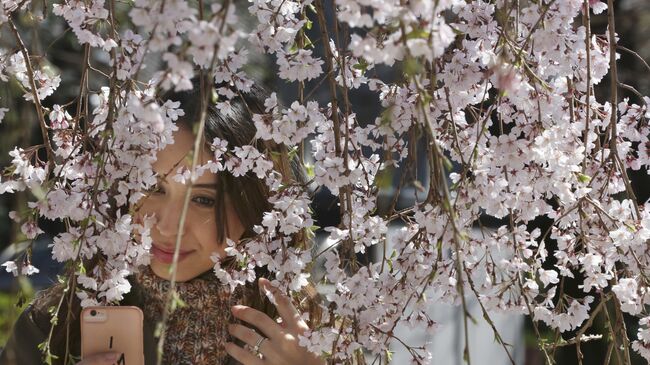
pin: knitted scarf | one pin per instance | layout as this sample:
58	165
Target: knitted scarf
197	332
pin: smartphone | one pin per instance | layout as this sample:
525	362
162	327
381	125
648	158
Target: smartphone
113	328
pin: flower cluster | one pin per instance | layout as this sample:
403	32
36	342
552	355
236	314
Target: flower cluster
288	126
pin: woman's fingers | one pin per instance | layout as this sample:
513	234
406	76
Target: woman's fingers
290	315
258	319
104	358
243	356
249	336
252	338
281	345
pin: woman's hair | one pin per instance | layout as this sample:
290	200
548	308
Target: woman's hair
248	194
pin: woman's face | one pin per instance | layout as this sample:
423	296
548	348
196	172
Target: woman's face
199	238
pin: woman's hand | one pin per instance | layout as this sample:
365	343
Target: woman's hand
105	358
279	341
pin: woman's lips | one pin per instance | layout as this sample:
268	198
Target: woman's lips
166	255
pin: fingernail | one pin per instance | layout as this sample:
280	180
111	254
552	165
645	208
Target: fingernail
236	307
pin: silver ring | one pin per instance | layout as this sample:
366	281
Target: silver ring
258	344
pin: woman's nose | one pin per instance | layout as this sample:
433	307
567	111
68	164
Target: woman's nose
167	219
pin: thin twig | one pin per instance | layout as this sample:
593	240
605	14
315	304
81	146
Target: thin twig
34	90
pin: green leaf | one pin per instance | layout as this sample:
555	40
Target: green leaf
584	178
308	43
457	31
384	179
214	95
26	287
418	33
309	168
413	67
361	65
176	302
389	355
293	152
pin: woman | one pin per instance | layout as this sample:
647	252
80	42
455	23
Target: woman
215	327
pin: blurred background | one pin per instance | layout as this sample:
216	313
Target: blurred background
19	128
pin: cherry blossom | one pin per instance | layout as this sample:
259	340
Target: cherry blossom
2	113
299	66
497	102
59	117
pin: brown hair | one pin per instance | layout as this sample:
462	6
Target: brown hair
248	193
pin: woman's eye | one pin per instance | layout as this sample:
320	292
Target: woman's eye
204	200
